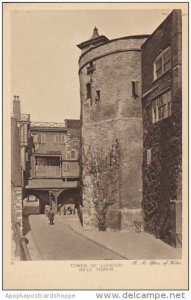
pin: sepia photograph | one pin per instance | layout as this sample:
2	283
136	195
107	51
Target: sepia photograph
95	122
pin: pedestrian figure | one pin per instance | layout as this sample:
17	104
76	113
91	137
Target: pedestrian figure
69	210
51	217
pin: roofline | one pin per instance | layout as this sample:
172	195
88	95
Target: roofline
160	25
90	41
48	129
140	36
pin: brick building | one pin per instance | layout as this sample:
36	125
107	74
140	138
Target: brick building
20	154
162	123
110	87
54	170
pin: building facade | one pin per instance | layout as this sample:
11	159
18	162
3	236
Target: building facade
162	130
111	114
20	166
54	175
20	157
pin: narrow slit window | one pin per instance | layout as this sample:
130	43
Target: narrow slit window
88	90
134	85
98	95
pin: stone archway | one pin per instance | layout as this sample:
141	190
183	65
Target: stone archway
42	195
67	201
31	205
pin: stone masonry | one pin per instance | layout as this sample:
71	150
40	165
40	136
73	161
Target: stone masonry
113	111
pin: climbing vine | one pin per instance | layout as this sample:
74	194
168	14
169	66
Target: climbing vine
103	168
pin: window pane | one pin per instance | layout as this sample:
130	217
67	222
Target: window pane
167	56
154	103
159	73
168	96
162	112
167	60
167	66
158	63
163	63
160	101
164	96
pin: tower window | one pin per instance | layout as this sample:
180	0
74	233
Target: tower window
91	68
134	85
98	95
88	90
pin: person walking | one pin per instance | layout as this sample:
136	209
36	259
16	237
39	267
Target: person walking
51	217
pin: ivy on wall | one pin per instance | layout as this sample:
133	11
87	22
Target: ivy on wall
103	168
162	178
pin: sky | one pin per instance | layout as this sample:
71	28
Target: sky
44	56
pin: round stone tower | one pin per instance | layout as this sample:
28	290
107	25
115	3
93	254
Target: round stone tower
110	91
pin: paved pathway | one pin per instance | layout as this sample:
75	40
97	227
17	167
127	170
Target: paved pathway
130	245
60	242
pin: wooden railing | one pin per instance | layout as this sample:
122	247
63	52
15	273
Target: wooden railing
20	240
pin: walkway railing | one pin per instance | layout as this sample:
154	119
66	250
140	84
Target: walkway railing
20	240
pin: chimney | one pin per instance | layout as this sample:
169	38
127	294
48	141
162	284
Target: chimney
95	34
16	107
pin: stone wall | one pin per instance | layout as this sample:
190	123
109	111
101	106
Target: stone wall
73	142
16	211
116	45
17	194
116	115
